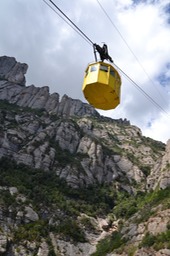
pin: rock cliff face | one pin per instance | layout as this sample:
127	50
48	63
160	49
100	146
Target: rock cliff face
160	175
13	89
70	140
102	151
12	71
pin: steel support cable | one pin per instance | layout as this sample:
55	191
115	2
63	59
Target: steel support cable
141	90
130	49
66	21
85	37
72	22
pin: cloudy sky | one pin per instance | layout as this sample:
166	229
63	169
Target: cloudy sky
138	37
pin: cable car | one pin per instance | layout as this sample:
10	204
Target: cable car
102	83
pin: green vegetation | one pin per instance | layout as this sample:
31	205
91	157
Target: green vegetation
148	240
131	250
126	205
65	157
45	189
62	204
4	104
14	108
108	244
70	229
86	222
156	146
151	200
146	169
50	247
33	231
158	242
6	199
132	158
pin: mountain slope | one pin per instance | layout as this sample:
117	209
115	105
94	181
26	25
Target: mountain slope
71	178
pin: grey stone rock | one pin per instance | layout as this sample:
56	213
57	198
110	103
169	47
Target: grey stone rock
72	107
67	137
158	224
160	174
43	249
13	190
12	71
69	249
3	243
30	214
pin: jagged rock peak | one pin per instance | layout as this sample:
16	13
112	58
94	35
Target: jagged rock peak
13	89
12	71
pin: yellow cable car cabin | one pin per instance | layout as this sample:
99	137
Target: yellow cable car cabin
101	85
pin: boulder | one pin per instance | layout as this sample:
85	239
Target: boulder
12	71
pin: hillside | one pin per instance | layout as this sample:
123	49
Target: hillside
73	182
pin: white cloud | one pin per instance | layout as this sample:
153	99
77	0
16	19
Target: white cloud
159	128
146	31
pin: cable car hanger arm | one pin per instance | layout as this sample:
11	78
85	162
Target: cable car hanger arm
103	52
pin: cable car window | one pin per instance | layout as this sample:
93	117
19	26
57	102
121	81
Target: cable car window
93	68
112	72
87	71
104	68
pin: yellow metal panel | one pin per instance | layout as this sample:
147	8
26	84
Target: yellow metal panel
101	88
103	77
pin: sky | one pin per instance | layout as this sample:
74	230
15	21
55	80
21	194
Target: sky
138	37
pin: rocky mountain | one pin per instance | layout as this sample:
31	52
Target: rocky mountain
73	182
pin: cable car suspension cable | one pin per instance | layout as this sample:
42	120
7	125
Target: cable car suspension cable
66	21
71	22
134	55
85	37
142	91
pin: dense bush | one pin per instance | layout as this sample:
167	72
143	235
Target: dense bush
148	240
146	170
70	229
158	241
143	203
108	244
32	231
125	209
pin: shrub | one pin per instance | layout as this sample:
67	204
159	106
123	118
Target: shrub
31	231
168	225
148	240
108	244
146	170
131	250
158	242
125	207
70	229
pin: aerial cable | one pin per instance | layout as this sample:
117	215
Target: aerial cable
134	55
141	90
72	22
85	37
66	21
